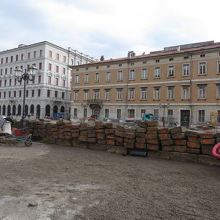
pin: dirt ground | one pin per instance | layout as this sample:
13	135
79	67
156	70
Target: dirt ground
46	182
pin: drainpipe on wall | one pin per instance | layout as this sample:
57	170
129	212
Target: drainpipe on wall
126	89
191	90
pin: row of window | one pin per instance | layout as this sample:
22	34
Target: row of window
55	94
55	81
29	93
145	62
17	110
29	110
144	73
11	69
131	113
56	56
14	82
36	54
21	57
185	94
56	69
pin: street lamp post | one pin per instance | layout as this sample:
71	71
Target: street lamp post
26	75
164	106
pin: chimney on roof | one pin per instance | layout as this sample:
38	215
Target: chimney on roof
131	54
21	45
102	58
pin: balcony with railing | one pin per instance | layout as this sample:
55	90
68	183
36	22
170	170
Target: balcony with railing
95	103
12	100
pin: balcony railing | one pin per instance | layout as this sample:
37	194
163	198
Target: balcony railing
94	101
12	100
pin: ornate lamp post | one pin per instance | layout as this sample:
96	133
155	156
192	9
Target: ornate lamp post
25	75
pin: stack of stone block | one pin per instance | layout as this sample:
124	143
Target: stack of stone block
119	135
140	140
75	131
51	133
64	130
193	142
37	128
207	142
100	133
167	144
118	138
109	134
91	134
165	139
83	132
152	135
129	138
179	139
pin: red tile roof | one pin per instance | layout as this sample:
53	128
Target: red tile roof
157	54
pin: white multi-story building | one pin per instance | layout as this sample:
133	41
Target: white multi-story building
49	92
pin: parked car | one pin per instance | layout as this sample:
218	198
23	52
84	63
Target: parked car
91	118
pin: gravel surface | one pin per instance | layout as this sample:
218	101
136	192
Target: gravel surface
46	182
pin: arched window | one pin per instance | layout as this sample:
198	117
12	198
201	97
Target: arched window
4	110
26	110
32	110
47	113
8	110
14	110
62	109
38	111
19	109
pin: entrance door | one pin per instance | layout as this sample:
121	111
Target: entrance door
184	118
96	112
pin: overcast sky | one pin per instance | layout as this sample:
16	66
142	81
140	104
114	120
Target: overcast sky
108	27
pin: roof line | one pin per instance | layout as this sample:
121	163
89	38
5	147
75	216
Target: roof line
42	43
153	55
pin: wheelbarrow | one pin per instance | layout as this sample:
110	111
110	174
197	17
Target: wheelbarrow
20	135
7	134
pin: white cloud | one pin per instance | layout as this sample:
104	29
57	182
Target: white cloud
142	25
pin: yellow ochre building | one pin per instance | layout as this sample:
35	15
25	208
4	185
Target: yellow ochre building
180	84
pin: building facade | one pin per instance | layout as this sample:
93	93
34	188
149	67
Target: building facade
49	92
180	84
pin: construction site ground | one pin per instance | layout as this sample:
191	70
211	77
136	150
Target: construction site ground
48	182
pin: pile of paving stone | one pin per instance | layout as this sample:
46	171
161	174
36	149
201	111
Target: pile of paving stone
146	136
